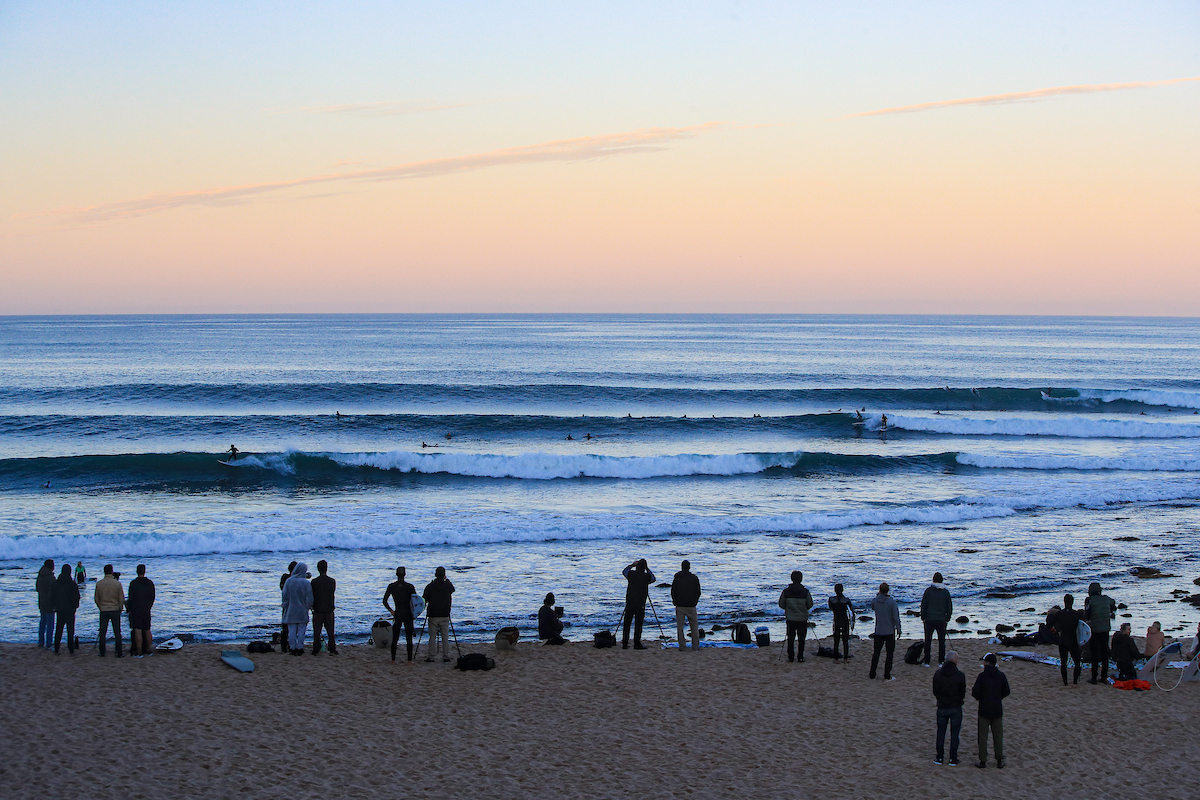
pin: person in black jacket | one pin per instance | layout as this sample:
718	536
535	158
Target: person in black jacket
45	590
990	689
937	608
323	589
640	578
549	625
401	592
843	620
1065	622
950	689
685	593
437	612
138	604
1125	652
65	597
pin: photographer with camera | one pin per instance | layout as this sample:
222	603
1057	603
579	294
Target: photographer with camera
640	578
550	623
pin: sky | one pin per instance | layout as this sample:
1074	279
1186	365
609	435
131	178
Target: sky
242	157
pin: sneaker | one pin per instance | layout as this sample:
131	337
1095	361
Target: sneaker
999	763
800	659
981	764
938	760
890	678
332	651
1092	681
871	676
954	762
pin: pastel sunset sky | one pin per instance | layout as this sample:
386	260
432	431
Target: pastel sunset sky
555	157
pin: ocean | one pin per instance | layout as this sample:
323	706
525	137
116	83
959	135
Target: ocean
1023	457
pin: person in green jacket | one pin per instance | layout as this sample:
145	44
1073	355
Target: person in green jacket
1098	609
936	610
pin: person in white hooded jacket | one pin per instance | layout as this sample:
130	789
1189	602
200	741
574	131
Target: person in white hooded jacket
297	601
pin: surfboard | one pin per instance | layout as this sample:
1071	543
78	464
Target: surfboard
235	659
228	464
418	605
170	645
1029	655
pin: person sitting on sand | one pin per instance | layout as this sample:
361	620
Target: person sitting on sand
1154	639
401	593
437	612
297	600
1098	609
887	628
1066	623
138	604
66	603
639	579
950	689
1125	652
796	600
550	627
685	594
843	620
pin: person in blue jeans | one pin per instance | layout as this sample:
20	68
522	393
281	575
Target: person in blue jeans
950	689
45	593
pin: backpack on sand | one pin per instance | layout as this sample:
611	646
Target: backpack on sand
914	653
605	639
741	633
473	661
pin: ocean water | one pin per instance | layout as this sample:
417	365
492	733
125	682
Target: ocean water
1023	457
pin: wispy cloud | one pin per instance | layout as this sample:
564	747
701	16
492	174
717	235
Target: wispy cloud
387	108
1014	97
645	140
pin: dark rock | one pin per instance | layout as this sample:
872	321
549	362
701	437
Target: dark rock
984	631
866	619
962	620
1149	573
1172	600
1127	539
1194	599
1125	615
911	613
968	550
716	628
1002	628
1001	595
664	586
1122	606
1025	610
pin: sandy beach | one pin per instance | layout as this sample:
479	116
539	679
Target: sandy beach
568	721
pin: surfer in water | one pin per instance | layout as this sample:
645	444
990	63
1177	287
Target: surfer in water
884	425
233	452
859	415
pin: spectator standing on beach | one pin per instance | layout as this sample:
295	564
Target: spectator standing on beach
437	597
796	600
1065	623
1098	609
950	689
843	620
297	600
323	589
110	600
1154	639
639	578
141	600
45	595
401	593
887	628
936	610
1125	652
283	633
685	594
990	689
66	603
550	627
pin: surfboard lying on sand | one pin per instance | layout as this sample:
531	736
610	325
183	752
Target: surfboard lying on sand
235	659
170	645
1029	655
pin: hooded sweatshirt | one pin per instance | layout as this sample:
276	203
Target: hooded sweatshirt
936	605
796	600
109	595
1099	609
990	689
637	588
685	589
66	595
949	686
297	597
45	589
887	615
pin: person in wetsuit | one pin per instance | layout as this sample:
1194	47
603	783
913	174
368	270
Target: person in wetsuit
843	621
233	452
401	592
640	578
1098	609
1066	623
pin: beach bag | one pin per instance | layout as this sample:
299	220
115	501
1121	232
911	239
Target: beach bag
506	638
381	633
1083	632
914	653
259	647
740	633
474	661
762	636
604	639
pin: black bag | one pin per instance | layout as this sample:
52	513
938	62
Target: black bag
741	633
914	653
605	639
259	647
472	661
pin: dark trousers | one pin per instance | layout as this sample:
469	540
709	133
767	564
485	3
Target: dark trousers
996	726
796	630
636	615
889	642
408	632
1126	671
69	622
1074	650
953	717
930	629
115	618
325	621
45	628
841	630
1098	645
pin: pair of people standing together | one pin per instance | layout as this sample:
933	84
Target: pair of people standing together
438	600
301	596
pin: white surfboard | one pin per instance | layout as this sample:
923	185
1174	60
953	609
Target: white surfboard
418	605
169	645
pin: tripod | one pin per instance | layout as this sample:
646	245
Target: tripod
661	633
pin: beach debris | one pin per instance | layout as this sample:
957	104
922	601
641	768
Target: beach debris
1149	573
962	620
1127	539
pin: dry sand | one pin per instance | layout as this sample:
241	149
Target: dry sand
568	721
